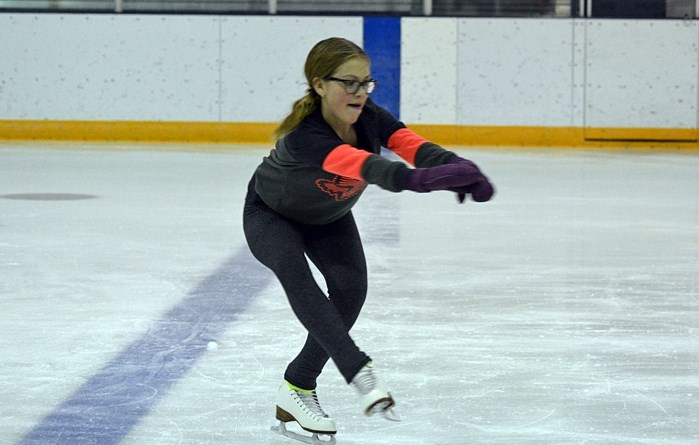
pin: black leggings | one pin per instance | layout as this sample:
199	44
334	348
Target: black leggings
336	250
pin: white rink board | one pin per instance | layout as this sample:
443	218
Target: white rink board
109	67
428	70
515	72
641	74
263	58
500	72
151	68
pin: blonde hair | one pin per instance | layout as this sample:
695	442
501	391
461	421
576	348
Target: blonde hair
322	61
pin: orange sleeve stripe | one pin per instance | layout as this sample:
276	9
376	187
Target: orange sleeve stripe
346	160
405	143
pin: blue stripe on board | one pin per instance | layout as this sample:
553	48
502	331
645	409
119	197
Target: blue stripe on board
382	43
112	402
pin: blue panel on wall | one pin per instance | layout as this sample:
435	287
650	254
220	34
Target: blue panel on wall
382	43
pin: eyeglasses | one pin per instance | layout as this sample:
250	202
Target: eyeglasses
353	86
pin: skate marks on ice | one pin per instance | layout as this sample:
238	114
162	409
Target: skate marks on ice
114	400
576	324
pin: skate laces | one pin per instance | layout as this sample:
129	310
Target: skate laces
310	403
365	380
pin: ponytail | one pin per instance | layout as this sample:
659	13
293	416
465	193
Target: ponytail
299	111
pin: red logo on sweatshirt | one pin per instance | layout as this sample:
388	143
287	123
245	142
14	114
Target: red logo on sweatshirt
340	187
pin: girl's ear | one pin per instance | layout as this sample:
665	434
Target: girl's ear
319	86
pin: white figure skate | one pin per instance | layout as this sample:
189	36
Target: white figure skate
302	406
373	395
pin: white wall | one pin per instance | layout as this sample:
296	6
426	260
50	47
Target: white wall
536	72
645	70
109	67
157	68
516	72
262	62
429	71
489	72
530	72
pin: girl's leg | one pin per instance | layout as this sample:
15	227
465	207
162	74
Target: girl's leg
280	245
337	251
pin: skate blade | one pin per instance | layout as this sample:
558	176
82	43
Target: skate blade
315	439
390	414
385	409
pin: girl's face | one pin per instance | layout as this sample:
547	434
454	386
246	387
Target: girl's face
340	108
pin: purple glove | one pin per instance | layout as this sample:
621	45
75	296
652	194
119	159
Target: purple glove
442	177
461	161
481	191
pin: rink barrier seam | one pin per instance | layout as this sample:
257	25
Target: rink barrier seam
261	133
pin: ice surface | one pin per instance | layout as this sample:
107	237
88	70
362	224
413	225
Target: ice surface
564	311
